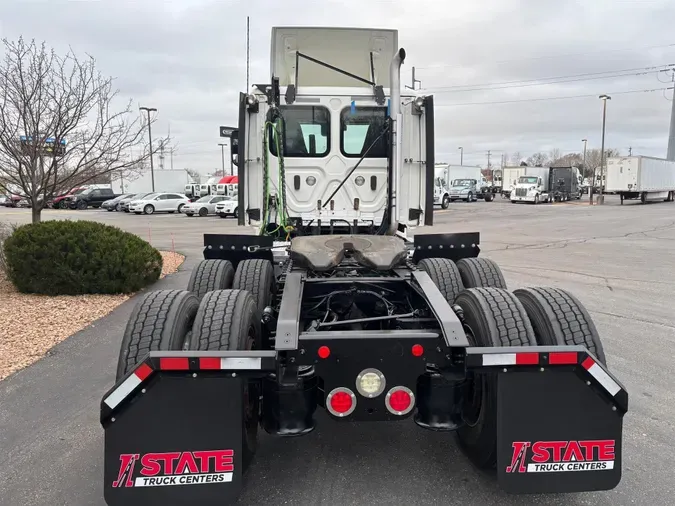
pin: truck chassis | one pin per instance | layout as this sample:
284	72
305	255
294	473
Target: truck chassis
369	328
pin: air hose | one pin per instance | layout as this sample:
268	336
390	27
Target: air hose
274	124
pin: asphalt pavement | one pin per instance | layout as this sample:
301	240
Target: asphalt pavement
616	259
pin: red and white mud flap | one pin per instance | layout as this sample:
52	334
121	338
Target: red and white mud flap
173	428
559	418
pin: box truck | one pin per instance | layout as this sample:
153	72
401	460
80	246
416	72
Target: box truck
166	181
641	177
460	182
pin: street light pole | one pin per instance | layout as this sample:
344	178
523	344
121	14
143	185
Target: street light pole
604	98
590	188
222	151
461	155
152	166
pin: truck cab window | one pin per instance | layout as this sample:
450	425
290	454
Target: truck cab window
360	128
306	132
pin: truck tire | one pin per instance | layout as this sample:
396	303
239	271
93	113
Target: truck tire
445	202
559	319
160	322
489	197
495	317
445	275
480	273
210	275
469	197
228	320
256	276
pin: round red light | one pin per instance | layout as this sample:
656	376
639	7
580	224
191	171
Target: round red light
324	352
341	402
400	400
417	350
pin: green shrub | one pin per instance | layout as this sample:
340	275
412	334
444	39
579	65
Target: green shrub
78	257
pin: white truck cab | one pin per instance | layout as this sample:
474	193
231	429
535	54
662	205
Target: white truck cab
532	187
312	151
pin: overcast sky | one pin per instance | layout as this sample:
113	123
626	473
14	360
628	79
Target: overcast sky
187	58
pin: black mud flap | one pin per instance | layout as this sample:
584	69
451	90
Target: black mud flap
559	420
173	434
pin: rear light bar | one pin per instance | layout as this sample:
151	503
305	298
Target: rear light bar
548	357
234	362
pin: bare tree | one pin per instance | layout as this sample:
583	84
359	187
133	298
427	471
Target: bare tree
516	158
60	125
554	155
538	160
593	160
196	176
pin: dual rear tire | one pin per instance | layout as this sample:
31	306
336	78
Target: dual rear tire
220	311
495	317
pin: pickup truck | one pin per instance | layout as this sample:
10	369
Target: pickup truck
91	197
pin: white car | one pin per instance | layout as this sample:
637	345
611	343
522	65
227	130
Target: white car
159	203
204	206
228	207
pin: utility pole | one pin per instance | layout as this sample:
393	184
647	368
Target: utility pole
152	167
461	155
604	98
488	155
630	151
222	152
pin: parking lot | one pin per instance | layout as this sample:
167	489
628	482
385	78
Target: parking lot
616	259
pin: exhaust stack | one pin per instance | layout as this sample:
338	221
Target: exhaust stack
395	115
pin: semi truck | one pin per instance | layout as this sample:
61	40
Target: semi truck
532	186
564	184
460	182
641	177
323	302
510	177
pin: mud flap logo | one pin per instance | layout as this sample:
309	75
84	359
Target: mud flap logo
562	456
175	468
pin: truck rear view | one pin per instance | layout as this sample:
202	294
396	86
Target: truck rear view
329	306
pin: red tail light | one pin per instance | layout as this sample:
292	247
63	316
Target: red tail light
341	402
400	400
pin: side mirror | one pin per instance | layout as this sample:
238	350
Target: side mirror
234	147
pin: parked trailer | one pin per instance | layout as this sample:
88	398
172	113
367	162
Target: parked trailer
166	181
641	177
362	323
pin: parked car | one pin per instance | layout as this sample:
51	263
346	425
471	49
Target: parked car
111	204
204	206
61	202
159	203
228	207
91	197
123	205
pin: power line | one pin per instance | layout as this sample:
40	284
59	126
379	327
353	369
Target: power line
549	98
547	57
554	80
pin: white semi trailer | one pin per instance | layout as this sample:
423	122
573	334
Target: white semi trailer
641	177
